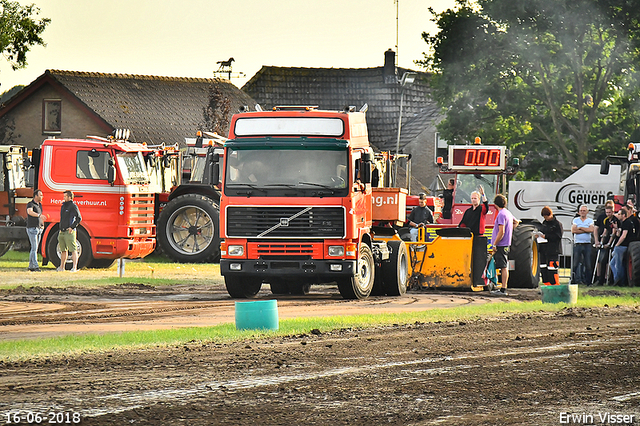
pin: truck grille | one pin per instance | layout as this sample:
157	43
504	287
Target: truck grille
285	222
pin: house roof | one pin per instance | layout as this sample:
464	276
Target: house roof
155	109
335	88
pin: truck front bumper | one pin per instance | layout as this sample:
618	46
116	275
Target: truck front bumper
320	270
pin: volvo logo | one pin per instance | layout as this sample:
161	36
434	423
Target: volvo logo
284	221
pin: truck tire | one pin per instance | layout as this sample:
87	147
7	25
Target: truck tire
85	257
242	288
395	272
101	263
4	247
524	251
360	285
188	229
299	288
633	264
279	287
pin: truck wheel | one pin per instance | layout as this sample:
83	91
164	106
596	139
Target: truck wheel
83	242
299	288
4	247
395	272
633	264
242	288
101	263
360	285
524	251
279	287
188	229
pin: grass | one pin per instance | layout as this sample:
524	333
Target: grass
154	270
97	343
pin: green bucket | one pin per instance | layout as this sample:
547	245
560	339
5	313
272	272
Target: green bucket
259	314
562	293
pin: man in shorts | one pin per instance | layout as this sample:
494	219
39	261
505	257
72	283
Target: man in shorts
501	241
69	220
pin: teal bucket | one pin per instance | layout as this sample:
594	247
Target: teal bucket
563	293
260	314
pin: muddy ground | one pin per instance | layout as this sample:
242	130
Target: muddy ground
513	370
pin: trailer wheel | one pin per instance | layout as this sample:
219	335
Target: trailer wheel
188	229
633	265
395	272
524	251
83	242
279	287
4	247
242	288
299	288
360	285
101	263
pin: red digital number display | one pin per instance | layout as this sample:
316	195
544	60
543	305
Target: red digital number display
477	157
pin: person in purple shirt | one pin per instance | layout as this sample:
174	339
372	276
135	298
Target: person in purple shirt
501	240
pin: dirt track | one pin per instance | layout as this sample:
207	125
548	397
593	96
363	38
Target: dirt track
525	369
522	369
39	312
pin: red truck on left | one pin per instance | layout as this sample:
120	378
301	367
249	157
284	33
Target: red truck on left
110	181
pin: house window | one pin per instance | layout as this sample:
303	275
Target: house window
441	149
92	164
52	116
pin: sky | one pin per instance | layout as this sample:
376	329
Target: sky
187	38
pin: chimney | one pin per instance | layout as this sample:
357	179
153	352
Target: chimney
389	72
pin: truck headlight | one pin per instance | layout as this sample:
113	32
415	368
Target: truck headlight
336	251
235	250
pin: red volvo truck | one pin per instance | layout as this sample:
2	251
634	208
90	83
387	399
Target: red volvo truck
297	206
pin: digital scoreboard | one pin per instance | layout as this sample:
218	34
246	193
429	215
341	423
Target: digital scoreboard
477	158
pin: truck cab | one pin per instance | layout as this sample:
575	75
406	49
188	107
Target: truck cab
110	182
297	204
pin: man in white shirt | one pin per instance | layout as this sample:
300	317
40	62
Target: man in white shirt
582	229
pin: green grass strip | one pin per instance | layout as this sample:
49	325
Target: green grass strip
14	350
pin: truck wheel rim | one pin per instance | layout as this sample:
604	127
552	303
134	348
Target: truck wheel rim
69	259
190	230
364	272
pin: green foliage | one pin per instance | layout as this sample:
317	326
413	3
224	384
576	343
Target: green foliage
19	31
554	80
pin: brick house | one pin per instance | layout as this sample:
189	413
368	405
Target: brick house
335	88
73	104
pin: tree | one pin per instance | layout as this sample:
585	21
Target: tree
216	113
555	80
19	31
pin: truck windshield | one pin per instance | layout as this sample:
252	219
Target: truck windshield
467	183
279	171
133	168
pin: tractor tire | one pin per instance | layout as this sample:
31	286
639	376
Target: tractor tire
524	251
633	264
395	272
242	288
4	247
360	285
101	263
188	229
85	257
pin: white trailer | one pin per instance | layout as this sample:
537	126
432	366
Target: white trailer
585	186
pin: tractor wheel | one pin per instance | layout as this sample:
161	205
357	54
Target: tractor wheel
633	264
188	229
85	257
395	272
524	251
242	288
4	247
360	285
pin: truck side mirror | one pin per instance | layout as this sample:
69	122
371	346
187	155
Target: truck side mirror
111	173
604	167
366	171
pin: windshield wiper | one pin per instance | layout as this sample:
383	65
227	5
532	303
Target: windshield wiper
330	188
286	185
246	185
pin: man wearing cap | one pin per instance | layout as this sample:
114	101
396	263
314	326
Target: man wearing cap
419	216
